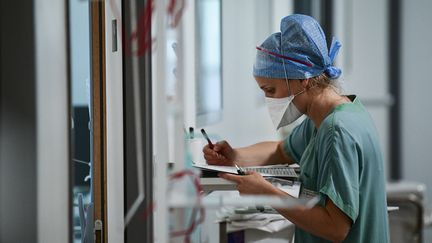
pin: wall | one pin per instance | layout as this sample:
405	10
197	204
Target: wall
245	116
415	88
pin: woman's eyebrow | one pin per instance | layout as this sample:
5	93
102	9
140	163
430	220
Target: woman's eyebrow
265	86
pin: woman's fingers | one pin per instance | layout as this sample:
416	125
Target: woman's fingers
221	145
216	160
207	149
211	155
235	178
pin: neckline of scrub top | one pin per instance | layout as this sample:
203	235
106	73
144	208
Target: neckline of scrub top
353	104
352	98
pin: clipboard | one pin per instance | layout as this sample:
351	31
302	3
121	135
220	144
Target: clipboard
266	171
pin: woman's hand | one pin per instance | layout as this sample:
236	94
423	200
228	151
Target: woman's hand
221	154
251	183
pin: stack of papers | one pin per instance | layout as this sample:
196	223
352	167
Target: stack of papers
249	217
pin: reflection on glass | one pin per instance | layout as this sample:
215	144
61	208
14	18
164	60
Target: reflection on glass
209	62
79	31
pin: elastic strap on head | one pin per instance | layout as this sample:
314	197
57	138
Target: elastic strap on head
283	64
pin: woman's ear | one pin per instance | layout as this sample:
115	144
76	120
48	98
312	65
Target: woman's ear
304	83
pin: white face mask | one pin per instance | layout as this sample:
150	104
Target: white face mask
282	110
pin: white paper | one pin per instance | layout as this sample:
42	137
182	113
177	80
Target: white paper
233	170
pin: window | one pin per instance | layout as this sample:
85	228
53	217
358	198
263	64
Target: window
208	62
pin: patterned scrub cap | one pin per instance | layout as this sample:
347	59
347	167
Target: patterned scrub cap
299	51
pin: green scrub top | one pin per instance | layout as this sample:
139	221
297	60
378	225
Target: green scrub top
342	161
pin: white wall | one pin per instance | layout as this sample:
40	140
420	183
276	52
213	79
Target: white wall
245	25
415	89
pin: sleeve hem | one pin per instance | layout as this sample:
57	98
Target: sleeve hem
346	208
287	151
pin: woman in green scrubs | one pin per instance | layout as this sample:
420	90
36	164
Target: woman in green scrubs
336	145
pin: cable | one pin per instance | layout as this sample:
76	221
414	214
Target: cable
81	161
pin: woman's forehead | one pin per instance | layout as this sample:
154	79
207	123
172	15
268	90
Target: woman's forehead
263	81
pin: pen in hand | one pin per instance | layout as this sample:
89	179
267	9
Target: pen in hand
240	171
210	144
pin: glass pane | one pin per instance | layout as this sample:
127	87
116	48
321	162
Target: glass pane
81	136
209	62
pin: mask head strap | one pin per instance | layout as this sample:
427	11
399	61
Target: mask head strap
283	64
286	75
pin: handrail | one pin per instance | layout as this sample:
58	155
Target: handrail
417	202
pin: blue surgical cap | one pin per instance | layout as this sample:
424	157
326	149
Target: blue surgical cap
299	51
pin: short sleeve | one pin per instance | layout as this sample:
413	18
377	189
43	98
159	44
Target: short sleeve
295	144
339	170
